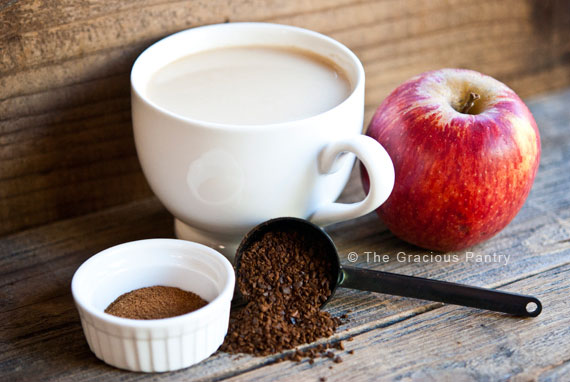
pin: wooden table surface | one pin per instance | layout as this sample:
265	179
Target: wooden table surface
394	338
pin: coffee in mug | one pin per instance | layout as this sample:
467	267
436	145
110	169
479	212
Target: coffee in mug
249	85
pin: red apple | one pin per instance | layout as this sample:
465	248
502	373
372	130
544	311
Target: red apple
465	150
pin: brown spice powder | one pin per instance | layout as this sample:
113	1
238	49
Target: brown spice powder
155	302
285	276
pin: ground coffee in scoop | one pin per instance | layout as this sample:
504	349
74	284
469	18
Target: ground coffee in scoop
285	278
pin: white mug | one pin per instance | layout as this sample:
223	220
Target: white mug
220	180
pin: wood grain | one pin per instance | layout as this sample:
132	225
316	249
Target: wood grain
66	145
41	335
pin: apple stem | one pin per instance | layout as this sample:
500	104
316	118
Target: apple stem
470	102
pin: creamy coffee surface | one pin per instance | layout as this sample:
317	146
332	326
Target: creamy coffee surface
249	85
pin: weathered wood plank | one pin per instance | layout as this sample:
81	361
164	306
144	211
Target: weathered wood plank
455	344
47	257
66	146
40	330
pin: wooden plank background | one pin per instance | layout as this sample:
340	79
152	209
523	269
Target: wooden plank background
66	145
395	338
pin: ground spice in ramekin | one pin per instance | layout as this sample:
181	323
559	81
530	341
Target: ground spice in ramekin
155	302
285	276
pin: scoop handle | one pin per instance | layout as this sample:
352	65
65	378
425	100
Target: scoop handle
442	291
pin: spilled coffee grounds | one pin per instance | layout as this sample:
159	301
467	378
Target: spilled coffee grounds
286	278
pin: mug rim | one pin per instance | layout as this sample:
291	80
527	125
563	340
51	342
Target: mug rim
354	60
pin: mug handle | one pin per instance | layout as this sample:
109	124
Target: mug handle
380	171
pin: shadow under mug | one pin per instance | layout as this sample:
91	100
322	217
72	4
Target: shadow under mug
221	180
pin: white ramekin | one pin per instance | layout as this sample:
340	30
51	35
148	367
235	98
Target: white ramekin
154	345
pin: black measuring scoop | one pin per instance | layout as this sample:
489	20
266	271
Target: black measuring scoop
395	284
